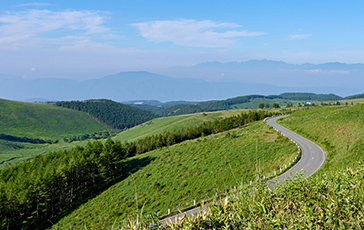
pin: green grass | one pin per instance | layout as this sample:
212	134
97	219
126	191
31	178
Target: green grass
21	118
338	130
192	170
166	124
254	103
39	120
332	201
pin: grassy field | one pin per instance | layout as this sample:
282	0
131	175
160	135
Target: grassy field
253	104
166	124
325	202
330	199
39	120
338	130
21	118
178	175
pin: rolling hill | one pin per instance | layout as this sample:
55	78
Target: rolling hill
330	199
28	129
241	102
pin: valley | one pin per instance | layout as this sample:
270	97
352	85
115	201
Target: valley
154	182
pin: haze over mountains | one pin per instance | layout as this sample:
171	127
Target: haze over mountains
226	80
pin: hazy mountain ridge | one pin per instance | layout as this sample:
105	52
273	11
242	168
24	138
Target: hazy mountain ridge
278	73
226	80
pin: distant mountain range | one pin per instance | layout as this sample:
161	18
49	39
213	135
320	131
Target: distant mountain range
278	73
232	79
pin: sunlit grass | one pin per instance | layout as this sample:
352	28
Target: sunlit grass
193	170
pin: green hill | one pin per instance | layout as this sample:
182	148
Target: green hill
330	199
41	120
178	175
52	184
167	124
242	102
114	115
28	129
172	177
338	130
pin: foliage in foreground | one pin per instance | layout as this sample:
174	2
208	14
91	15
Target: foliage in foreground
331	201
35	193
338	130
178	175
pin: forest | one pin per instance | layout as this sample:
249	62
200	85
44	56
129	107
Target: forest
112	114
172	109
25	139
36	193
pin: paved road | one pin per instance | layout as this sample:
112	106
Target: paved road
312	158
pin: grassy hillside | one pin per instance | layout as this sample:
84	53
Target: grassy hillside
167	124
242	102
192	170
35	116
24	120
40	120
330	199
339	130
327	202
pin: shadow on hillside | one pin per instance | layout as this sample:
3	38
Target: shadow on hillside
131	166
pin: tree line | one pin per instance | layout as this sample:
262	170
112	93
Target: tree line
112	114
25	139
37	192
166	109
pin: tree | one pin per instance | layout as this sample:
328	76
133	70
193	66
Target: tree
261	106
276	105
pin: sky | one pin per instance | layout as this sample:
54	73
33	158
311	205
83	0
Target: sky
90	39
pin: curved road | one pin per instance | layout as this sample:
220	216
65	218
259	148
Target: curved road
312	158
312	155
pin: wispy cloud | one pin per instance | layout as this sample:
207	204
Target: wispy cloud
298	36
34	4
325	71
193	33
33	28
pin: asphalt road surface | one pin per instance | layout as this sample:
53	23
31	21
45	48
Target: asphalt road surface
312	158
312	155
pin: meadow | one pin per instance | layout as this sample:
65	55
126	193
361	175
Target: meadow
42	120
338	130
330	199
176	176
168	124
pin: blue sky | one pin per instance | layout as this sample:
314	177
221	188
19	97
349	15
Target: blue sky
88	39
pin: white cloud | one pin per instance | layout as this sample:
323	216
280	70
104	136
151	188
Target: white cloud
298	36
34	4
193	33
34	28
325	71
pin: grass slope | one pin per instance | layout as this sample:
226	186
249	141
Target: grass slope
339	130
330	199
21	122
39	120
192	170
166	124
254	103
326	202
